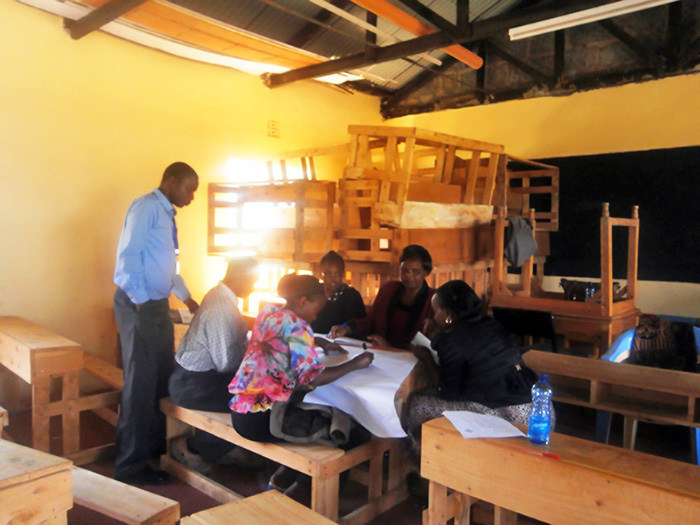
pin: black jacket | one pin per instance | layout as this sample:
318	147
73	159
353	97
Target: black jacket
480	361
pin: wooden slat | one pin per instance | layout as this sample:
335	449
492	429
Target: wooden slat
265	507
665	396
122	502
425	137
104	371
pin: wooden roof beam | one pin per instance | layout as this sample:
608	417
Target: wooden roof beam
99	17
475	31
414	26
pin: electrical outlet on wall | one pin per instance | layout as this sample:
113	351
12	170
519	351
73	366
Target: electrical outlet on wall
273	129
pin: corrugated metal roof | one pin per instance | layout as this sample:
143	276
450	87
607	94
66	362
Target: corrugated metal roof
284	20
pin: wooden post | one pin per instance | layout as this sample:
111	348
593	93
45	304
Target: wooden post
498	238
632	255
606	267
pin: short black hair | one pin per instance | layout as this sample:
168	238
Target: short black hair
416	251
240	265
293	286
333	257
460	299
180	171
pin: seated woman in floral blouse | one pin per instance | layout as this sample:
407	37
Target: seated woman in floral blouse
281	358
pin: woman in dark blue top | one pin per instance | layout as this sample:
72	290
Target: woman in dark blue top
343	302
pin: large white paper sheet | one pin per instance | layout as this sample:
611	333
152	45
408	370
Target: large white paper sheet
368	395
473	425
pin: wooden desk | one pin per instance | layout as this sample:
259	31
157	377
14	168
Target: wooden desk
36	355
266	507
588	483
35	487
601	331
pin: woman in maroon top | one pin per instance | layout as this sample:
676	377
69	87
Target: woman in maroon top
400	308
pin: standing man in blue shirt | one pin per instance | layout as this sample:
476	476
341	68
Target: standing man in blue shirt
146	274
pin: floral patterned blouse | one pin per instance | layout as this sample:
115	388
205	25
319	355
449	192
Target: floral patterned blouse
280	355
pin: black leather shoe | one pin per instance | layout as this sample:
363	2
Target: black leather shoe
147	476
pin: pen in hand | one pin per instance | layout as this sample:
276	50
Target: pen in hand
330	333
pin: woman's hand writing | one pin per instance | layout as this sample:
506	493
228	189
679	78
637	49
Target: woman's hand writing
363	360
339	330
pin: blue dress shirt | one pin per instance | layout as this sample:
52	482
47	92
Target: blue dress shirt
146	260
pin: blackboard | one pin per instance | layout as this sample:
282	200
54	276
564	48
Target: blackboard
665	184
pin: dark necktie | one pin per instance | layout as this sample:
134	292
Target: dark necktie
175	243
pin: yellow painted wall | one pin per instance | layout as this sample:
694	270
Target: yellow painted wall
652	115
89	125
635	117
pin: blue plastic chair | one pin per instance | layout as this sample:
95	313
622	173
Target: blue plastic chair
617	353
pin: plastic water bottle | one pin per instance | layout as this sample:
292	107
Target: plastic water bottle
540	422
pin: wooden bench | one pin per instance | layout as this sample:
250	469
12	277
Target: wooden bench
35	487
323	464
122	502
636	392
569	481
266	507
38	356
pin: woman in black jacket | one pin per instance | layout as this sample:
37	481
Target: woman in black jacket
480	368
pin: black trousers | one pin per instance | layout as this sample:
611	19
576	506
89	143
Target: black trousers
147	339
203	391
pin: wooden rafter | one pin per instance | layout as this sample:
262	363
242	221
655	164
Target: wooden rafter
414	26
96	19
475	31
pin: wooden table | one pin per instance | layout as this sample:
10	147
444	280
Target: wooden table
35	487
601	331
36	354
267	507
582	482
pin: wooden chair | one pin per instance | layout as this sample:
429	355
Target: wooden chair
530	325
